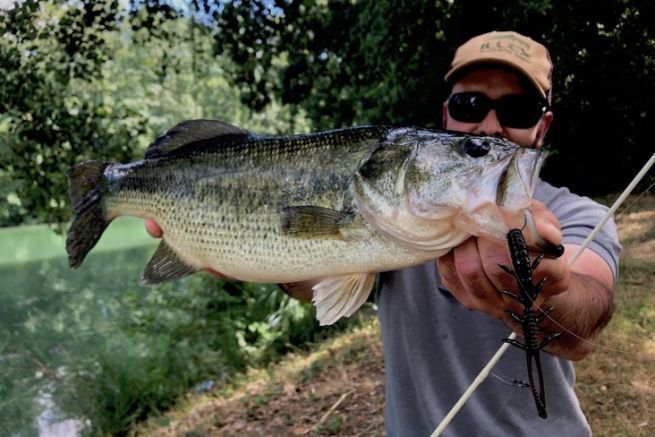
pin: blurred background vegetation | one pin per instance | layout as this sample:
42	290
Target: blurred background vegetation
100	79
85	79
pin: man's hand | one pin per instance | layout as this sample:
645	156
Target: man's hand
581	296
155	231
471	273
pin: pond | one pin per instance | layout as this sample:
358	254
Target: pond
92	351
52	316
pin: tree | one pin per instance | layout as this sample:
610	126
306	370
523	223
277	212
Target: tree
47	54
383	61
340	62
95	80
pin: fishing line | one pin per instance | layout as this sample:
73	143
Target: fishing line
647	190
614	207
584	340
486	370
504	403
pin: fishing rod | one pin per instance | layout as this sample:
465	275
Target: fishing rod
484	373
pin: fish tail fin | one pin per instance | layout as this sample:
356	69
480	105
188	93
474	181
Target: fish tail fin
85	188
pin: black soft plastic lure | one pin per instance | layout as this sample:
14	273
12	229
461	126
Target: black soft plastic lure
522	270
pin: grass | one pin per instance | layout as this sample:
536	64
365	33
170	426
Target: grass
616	384
337	388
296	396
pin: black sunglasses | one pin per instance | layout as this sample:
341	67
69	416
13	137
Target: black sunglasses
513	110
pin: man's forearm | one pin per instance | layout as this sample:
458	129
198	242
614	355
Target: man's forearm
581	313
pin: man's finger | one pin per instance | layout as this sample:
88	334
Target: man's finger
218	275
471	272
494	254
153	228
548	227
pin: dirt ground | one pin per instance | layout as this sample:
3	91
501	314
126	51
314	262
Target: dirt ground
339	388
336	390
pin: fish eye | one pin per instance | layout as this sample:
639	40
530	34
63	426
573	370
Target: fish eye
476	147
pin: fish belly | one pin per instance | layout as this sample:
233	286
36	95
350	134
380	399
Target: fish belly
253	248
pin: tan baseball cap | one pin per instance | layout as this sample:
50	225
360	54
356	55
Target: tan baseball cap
508	48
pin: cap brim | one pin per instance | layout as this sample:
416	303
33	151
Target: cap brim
453	73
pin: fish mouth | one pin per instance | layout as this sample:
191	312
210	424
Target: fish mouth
546	247
529	168
501	195
518	180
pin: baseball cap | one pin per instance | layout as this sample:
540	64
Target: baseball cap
507	48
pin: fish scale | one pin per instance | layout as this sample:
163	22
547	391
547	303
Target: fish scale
339	205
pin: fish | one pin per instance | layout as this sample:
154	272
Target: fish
338	206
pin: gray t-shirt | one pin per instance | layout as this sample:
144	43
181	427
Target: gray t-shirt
434	348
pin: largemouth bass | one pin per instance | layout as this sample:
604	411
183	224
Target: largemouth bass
340	205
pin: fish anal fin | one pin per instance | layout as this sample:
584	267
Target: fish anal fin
190	132
341	296
164	266
313	222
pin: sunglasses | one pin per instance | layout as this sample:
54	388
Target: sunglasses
513	110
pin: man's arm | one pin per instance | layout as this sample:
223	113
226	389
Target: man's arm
585	309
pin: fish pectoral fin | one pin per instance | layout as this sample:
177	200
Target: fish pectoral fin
164	266
341	296
313	222
192	131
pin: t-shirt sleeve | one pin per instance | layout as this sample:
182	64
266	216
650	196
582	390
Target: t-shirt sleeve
578	216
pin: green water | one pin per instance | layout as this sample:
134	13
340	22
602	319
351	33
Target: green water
93	350
52	317
24	244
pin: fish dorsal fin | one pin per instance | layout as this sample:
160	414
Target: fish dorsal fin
164	266
189	132
341	296
313	222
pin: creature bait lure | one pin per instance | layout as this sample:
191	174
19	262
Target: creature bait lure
522	271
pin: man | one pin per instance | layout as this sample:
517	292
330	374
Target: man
434	346
442	321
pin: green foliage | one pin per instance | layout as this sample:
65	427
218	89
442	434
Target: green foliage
18	406
602	83
94	80
176	337
47	55
90	80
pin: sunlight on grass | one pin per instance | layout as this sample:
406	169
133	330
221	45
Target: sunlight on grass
615	384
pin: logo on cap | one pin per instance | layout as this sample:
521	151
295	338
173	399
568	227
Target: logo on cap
507	44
